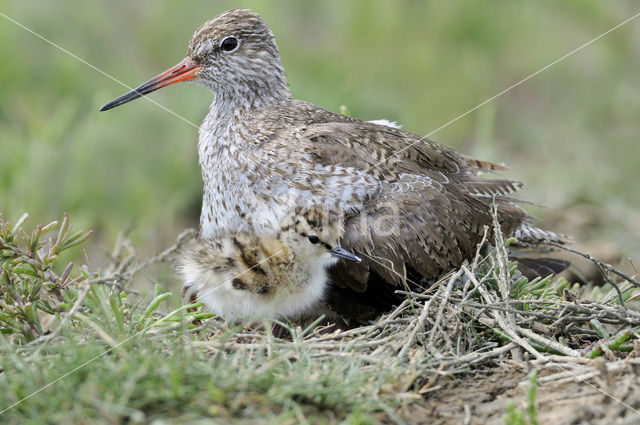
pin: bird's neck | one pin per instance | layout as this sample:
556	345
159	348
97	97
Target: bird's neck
227	138
234	101
233	109
247	93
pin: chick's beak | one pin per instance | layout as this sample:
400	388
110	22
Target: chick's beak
185	70
340	252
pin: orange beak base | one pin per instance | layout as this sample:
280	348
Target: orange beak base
185	70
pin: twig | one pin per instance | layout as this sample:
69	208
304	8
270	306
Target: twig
443	303
416	328
547	342
508	328
602	268
182	238
43	340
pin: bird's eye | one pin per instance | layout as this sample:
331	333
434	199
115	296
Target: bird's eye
313	239
229	44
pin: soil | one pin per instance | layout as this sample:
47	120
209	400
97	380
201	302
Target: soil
482	398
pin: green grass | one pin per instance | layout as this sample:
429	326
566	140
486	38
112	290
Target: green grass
570	133
515	416
531	397
75	347
168	376
78	346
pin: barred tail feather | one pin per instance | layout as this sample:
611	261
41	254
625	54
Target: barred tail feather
528	235
484	165
490	188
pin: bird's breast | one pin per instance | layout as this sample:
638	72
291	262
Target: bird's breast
254	187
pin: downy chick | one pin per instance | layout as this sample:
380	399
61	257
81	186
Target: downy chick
281	275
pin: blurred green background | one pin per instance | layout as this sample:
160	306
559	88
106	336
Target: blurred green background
571	133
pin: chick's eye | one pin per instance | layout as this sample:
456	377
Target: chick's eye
313	239
229	44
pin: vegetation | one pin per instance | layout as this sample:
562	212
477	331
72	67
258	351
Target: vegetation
80	346
516	416
112	355
30	287
96	336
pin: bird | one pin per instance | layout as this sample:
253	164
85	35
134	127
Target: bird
248	274
412	208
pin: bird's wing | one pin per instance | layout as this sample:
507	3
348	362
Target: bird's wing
399	159
430	212
384	151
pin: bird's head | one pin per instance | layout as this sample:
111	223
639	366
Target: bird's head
312	234
234	55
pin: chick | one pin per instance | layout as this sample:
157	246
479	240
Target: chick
278	275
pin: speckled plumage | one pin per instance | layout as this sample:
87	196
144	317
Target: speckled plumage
248	273
416	207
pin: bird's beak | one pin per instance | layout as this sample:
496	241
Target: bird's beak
185	70
340	252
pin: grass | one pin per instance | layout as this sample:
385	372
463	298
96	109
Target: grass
516	416
111	356
570	133
168	375
80	346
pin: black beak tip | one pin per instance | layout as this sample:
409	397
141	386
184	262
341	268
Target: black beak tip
112	104
340	252
125	98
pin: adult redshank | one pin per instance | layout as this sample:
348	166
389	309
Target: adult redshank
411	207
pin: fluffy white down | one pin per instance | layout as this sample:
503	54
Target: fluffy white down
387	123
220	297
